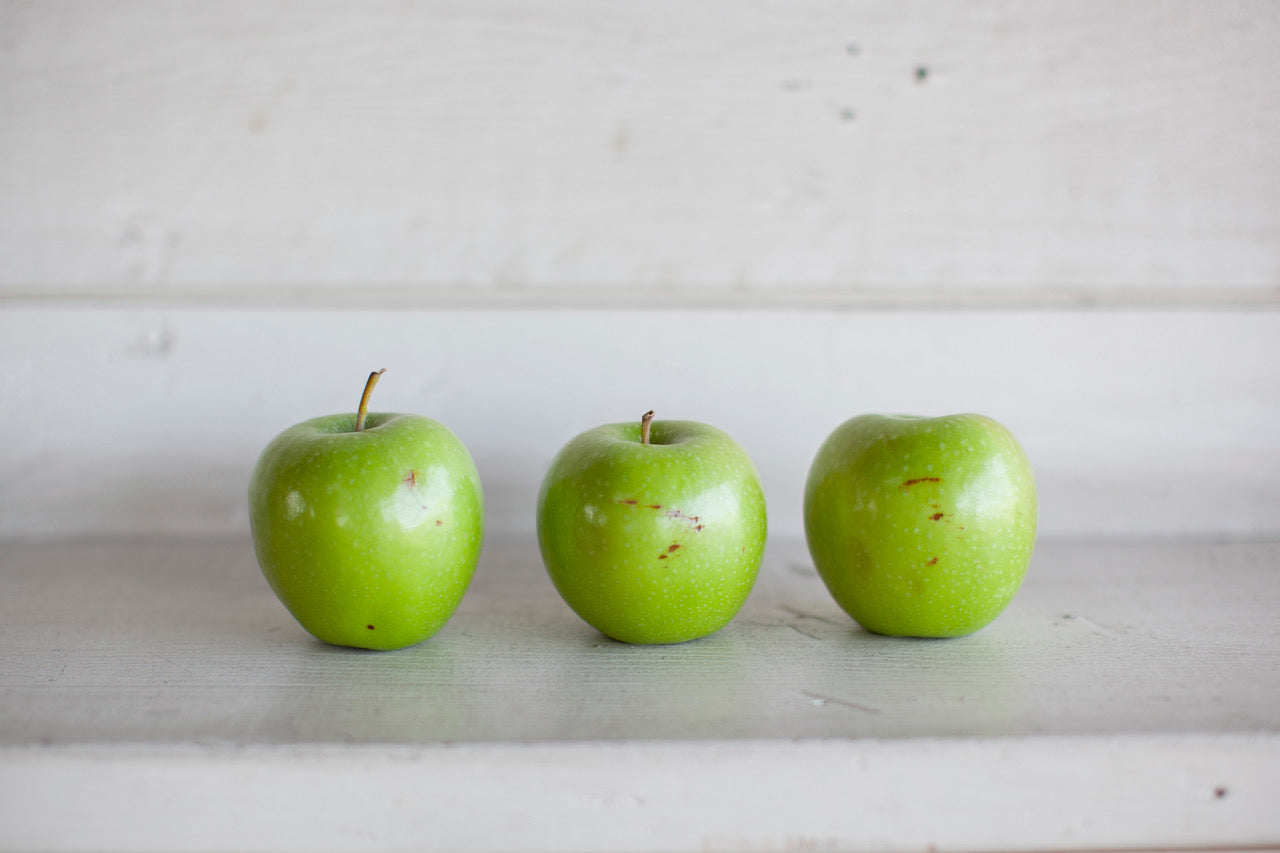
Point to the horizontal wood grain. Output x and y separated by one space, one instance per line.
180 641
149 421
881 149
1059 794
156 696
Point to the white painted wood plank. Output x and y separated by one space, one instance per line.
1092 148
156 697
146 421
182 642
920 796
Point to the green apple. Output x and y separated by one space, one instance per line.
367 527
652 532
921 527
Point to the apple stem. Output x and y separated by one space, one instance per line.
363 411
645 419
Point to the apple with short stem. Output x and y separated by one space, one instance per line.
652 532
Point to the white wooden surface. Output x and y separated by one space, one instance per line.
156 696
874 150
149 421
181 641
1185 793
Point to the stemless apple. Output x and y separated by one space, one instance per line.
921 526
367 527
652 532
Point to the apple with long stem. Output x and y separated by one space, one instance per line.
652 532
368 527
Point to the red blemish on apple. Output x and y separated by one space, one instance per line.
655 506
907 483
673 547
439 522
411 479
932 562
936 516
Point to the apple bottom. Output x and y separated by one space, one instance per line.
927 599
368 603
634 602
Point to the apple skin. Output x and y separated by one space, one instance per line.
921 527
369 538
653 543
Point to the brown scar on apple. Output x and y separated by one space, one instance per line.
672 547
693 520
937 516
909 483
370 627
932 562
439 522
411 479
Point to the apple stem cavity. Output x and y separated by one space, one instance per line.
363 411
645 420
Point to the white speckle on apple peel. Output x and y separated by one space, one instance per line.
294 504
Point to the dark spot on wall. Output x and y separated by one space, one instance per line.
620 142
1220 792
852 49
922 73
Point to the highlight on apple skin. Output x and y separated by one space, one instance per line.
921 527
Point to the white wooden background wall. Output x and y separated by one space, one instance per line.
215 218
